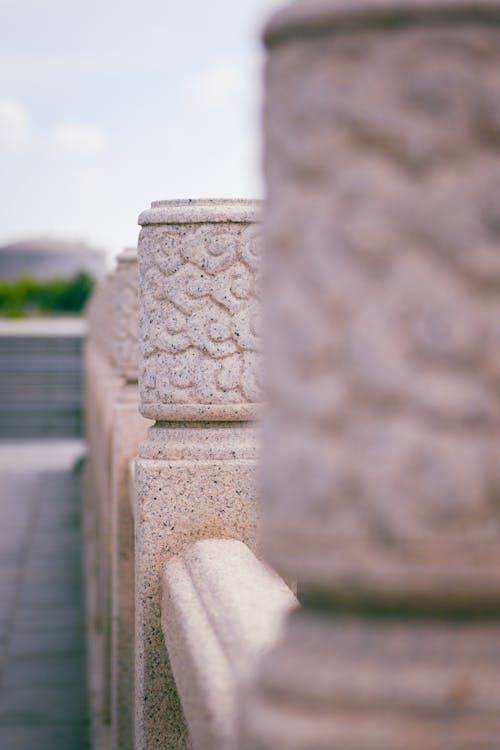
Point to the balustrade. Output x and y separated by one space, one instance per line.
379 461
114 430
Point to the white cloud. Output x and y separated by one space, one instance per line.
79 138
15 130
18 134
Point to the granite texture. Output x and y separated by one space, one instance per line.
100 313
381 475
129 429
382 685
321 17
114 430
208 490
113 316
200 310
102 386
199 378
382 233
125 344
222 610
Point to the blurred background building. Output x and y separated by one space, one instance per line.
45 258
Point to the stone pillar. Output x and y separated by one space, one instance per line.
129 429
102 386
126 312
199 380
114 430
382 479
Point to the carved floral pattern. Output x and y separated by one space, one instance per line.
113 316
201 314
126 333
383 231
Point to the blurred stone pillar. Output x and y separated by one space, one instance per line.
381 450
126 313
129 429
102 387
114 430
199 380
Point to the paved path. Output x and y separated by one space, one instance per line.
42 671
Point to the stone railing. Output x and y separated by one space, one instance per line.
193 333
380 473
114 430
222 609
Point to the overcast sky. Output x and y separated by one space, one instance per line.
106 105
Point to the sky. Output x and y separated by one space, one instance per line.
106 105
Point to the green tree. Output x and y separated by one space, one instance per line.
27 296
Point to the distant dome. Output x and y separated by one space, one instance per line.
45 258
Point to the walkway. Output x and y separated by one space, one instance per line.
42 671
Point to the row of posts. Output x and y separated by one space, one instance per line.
380 480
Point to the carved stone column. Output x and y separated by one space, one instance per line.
199 379
382 478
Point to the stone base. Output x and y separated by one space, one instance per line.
129 429
102 388
352 684
193 482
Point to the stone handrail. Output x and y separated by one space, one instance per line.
222 609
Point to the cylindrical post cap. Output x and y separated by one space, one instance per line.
311 17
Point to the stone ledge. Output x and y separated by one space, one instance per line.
316 17
200 211
222 609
